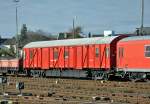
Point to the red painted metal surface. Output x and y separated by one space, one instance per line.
26 58
74 57
39 59
78 57
133 55
9 63
91 56
45 58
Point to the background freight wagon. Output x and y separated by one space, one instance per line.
9 64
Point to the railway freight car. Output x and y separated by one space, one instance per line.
9 65
133 57
86 57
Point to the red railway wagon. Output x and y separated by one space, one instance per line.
8 65
133 57
71 57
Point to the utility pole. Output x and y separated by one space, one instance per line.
142 16
17 37
73 27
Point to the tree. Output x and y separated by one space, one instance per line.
23 35
7 52
61 36
12 50
24 30
76 31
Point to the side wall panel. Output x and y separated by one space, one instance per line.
61 61
51 59
134 55
39 51
97 56
45 58
66 57
91 56
105 57
31 58
71 57
85 56
79 57
35 58
26 58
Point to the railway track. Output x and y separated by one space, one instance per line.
73 91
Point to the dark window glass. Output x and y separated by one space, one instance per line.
147 54
107 52
55 54
121 52
24 55
147 51
147 48
66 54
96 52
31 54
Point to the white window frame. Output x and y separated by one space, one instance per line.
145 51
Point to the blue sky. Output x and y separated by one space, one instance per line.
56 16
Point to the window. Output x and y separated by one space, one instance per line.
121 52
31 54
55 53
107 52
24 55
96 52
147 51
66 54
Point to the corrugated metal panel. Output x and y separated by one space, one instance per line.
71 42
134 38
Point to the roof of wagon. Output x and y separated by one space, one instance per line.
71 42
135 38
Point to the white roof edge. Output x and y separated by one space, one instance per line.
134 38
71 42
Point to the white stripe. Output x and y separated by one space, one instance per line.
133 70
